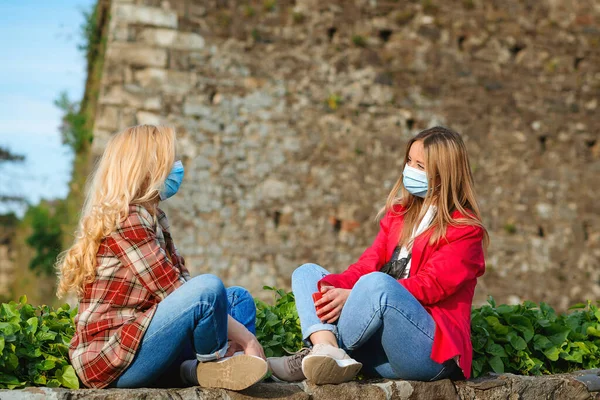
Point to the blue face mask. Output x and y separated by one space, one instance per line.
415 181
173 181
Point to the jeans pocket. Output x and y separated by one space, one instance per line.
450 370
444 373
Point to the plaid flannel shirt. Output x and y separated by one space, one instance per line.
137 266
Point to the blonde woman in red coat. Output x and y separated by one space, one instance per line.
403 310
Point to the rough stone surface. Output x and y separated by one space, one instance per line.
501 387
293 118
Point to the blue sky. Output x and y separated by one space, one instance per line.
38 44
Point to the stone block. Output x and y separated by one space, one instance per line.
197 106
137 55
148 118
172 39
349 391
132 96
107 118
413 390
166 81
100 141
143 15
271 391
153 104
119 32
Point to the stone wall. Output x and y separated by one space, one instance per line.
293 116
583 385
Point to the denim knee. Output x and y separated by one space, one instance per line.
375 282
239 294
208 286
306 270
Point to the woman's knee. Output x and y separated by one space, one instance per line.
375 281
208 286
307 270
239 294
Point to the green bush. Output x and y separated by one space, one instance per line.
532 340
46 237
34 345
73 129
527 339
278 326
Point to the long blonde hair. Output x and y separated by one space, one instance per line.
450 187
132 170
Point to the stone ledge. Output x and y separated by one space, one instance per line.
582 385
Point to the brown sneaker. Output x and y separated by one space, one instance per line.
327 364
288 368
234 373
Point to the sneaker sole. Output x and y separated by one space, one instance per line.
326 370
235 373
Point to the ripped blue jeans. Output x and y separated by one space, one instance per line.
381 325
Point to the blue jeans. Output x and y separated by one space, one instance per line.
191 322
381 325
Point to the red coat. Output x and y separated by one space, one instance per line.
442 277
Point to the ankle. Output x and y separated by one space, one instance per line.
329 342
324 337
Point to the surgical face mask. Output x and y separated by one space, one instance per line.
173 181
415 181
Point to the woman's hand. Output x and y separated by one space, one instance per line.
253 348
333 300
242 339
233 348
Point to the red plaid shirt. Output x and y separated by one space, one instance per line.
137 266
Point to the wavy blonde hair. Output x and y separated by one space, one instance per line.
132 170
450 187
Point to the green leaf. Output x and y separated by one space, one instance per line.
558 333
1 344
516 341
495 350
477 367
529 304
504 309
577 306
544 323
541 342
9 310
522 324
45 336
12 362
496 364
497 326
53 383
9 379
46 365
552 353
69 378
32 324
23 299
593 331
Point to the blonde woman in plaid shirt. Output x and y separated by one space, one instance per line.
142 321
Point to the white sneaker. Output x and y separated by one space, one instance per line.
328 364
234 373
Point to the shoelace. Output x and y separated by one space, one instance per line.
295 361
